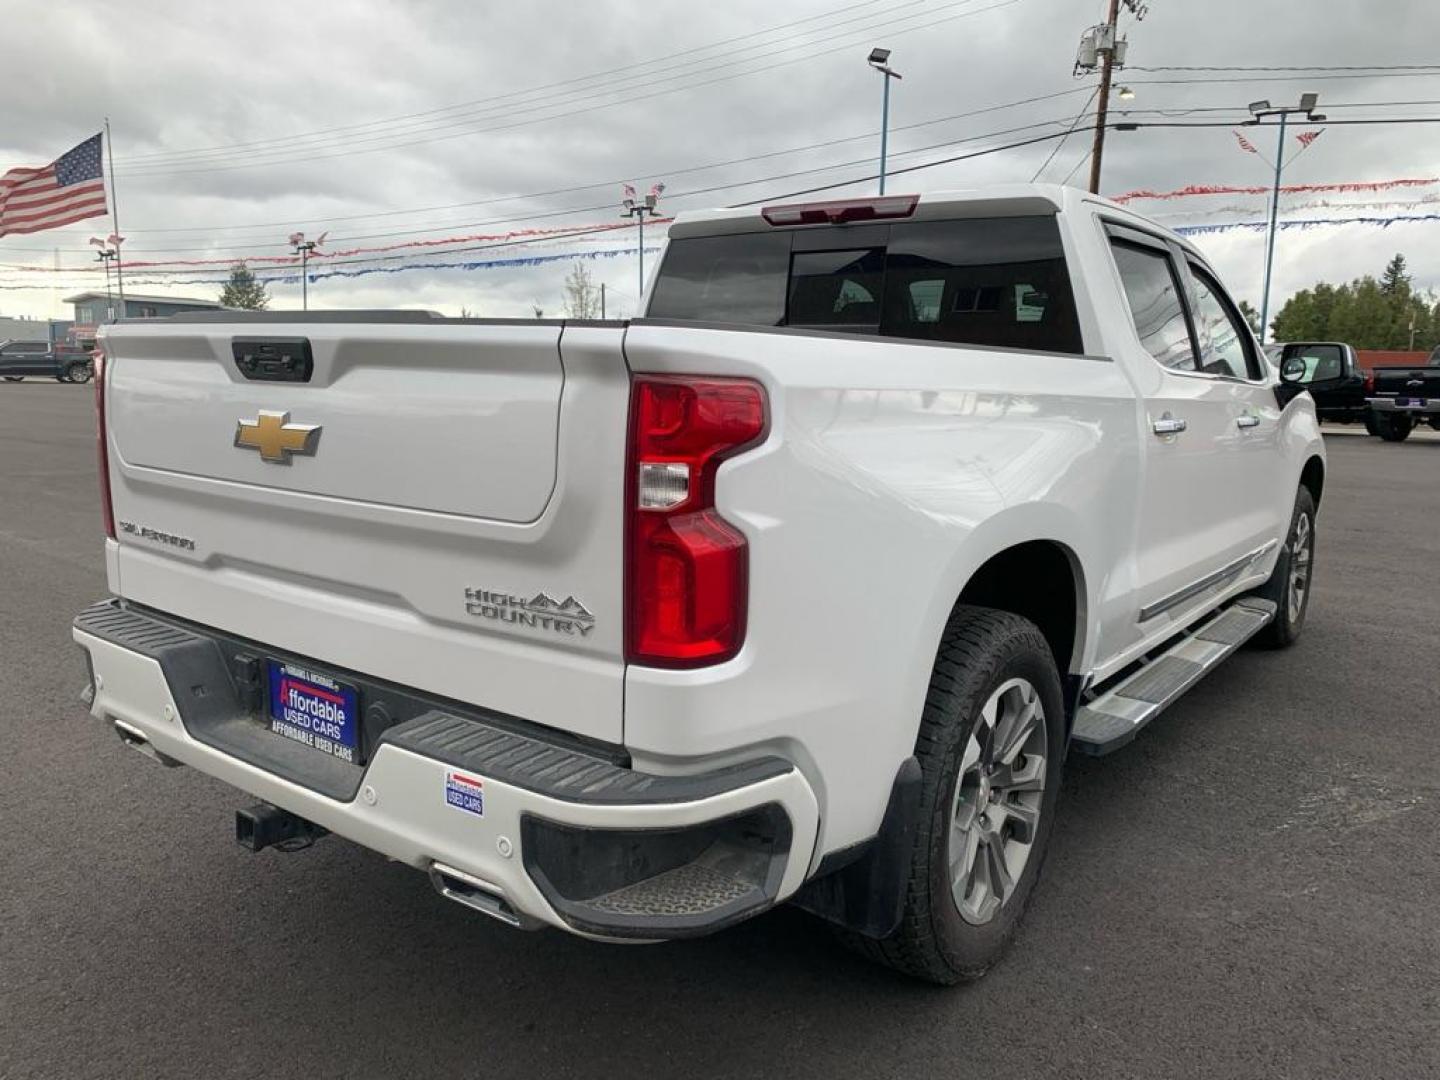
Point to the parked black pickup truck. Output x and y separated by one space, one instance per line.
63 363
1403 397
1334 378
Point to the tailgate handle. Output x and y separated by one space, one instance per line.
273 359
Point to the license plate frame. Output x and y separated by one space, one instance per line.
1411 403
313 709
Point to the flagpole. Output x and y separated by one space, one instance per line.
115 219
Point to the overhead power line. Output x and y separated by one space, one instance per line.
353 147
1288 67
828 16
658 171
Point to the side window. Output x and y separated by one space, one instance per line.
1322 362
1154 292
1226 348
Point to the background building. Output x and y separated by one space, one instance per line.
92 309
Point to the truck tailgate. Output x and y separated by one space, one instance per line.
439 504
1408 384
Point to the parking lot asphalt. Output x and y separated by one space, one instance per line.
1250 889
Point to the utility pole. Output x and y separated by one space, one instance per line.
1259 111
602 301
1101 46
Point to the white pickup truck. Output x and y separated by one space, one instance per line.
798 588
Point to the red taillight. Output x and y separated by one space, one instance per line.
686 579
1369 381
841 211
107 506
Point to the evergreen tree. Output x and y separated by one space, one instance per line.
1395 281
1368 313
244 291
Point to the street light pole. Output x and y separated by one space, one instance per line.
1259 110
879 60
639 209
303 248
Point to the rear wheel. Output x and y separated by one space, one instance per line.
1370 425
991 745
78 372
1289 584
1435 421
1394 427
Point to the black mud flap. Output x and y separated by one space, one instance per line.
865 892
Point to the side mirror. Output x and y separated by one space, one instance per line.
1292 371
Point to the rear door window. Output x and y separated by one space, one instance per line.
999 282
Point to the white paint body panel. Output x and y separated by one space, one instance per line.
891 472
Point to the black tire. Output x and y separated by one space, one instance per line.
1289 619
1394 427
1371 425
982 650
14 378
1435 421
78 372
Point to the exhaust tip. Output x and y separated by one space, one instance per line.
477 895
137 740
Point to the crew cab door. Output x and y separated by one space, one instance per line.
24 358
1210 487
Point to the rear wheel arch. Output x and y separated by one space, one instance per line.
1040 580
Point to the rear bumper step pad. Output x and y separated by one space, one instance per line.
603 849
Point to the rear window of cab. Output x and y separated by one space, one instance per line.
996 282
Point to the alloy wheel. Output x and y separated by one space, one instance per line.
1302 550
998 795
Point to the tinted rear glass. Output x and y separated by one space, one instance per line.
988 281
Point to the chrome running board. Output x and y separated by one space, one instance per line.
1110 720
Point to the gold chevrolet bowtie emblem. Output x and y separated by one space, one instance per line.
276 438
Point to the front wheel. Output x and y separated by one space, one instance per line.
1290 581
14 378
990 748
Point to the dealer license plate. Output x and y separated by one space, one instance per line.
1412 403
315 710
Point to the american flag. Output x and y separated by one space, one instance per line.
1245 144
69 189
1305 138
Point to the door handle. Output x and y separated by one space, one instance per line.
1168 425
1247 421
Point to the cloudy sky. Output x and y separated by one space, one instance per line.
383 123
